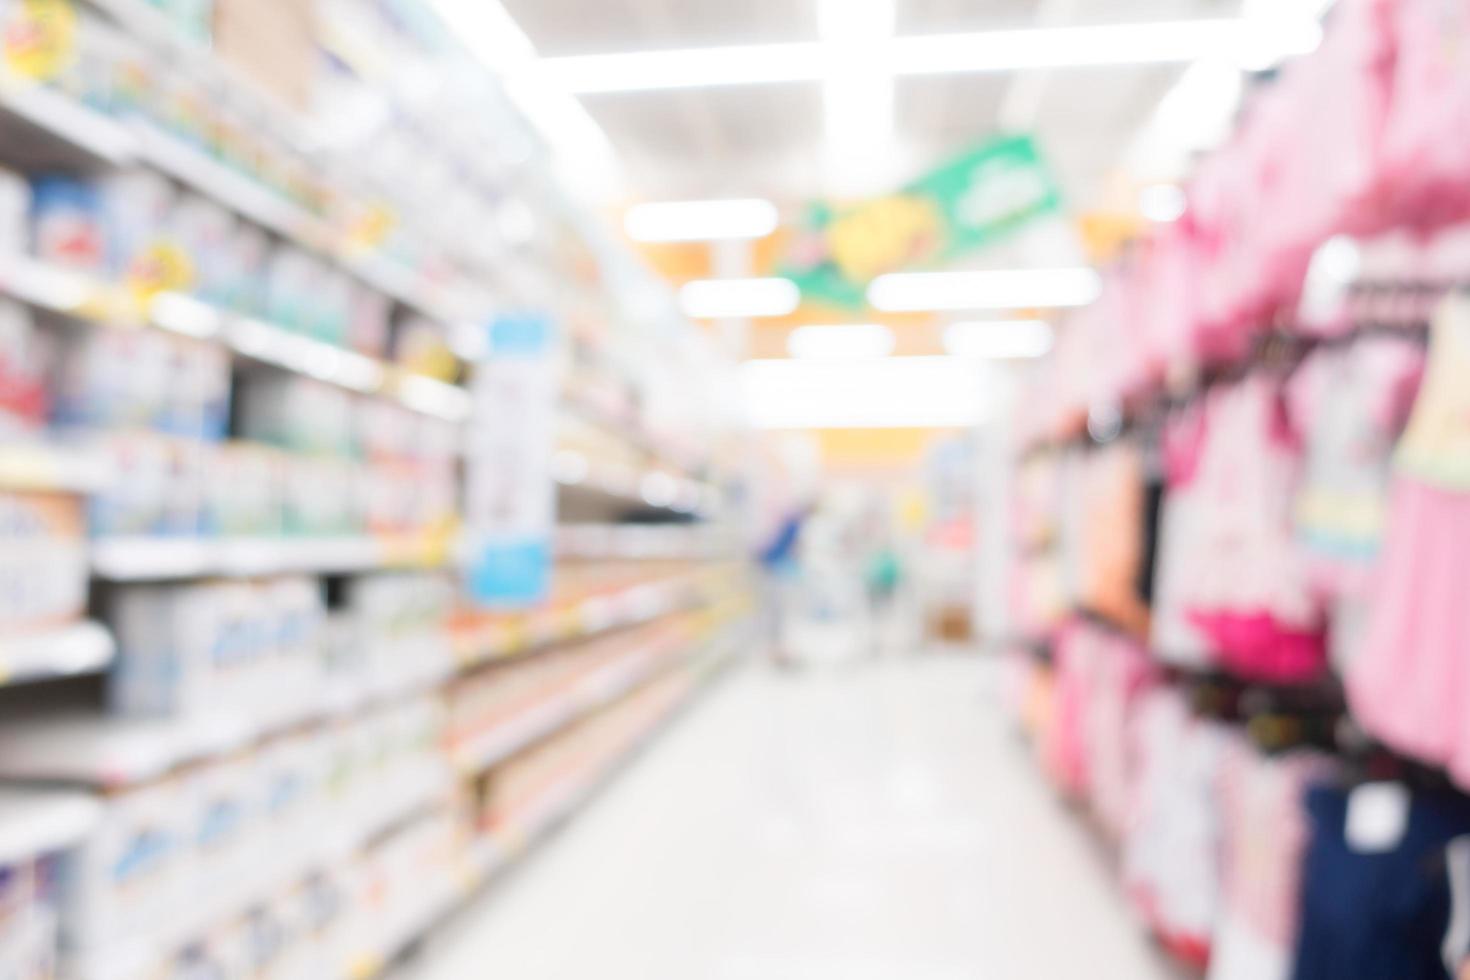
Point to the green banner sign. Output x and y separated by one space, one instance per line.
974 200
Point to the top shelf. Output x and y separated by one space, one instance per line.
41 128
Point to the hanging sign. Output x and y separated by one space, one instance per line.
974 200
510 495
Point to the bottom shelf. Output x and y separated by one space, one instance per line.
482 861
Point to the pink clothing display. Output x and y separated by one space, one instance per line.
1171 850
1411 682
1264 836
1234 589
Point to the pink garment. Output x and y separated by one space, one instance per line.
1121 674
1410 685
1264 834
1063 752
1426 165
1171 850
1232 587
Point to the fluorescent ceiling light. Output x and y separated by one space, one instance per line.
991 51
998 339
897 392
701 221
722 298
849 340
1162 203
984 290
857 93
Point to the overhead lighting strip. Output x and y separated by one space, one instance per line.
1236 39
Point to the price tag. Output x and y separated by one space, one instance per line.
1377 817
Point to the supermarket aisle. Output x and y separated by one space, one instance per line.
880 822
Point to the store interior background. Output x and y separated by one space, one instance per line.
793 489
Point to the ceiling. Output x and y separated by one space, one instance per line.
767 139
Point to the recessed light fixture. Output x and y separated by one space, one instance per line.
996 289
734 298
998 339
840 342
701 221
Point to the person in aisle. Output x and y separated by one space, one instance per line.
779 560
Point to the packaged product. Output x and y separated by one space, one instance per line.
132 874
204 232
28 918
67 224
289 273
368 320
245 491
15 209
322 498
298 414
43 561
90 75
24 362
144 250
228 847
159 489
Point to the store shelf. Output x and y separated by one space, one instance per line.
43 468
146 559
53 289
141 954
495 853
42 822
593 482
533 724
230 188
97 750
265 343
585 618
83 648
46 128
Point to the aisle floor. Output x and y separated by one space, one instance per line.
876 822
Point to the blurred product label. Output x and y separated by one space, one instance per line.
40 37
974 200
510 505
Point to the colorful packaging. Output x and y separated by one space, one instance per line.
67 224
158 487
246 490
297 414
24 362
43 561
28 919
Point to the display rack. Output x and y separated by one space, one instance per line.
362 736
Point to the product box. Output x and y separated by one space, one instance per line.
297 414
28 919
322 498
131 875
159 487
43 561
245 491
67 224
25 356
15 209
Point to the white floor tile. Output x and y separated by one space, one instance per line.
877 821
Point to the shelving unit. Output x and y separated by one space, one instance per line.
83 648
378 715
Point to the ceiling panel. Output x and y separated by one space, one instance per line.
942 16
564 27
